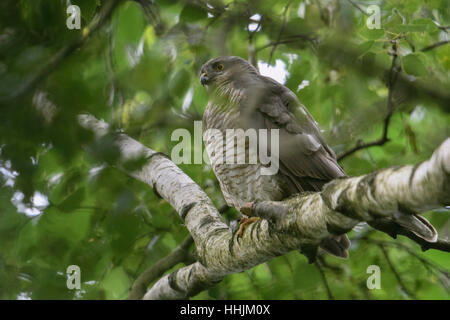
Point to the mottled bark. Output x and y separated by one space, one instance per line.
387 199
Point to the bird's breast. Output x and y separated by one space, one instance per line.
235 163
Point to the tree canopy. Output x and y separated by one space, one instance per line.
379 92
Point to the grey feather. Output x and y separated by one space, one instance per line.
241 98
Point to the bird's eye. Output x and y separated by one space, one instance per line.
219 67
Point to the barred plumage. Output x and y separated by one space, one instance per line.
240 98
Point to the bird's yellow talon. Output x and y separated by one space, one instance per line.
243 224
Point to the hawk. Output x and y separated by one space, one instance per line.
241 98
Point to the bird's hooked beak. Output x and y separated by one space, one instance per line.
204 78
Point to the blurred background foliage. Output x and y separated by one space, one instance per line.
62 202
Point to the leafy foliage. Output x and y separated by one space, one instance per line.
62 202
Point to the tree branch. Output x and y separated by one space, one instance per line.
435 45
251 47
157 270
324 280
178 255
388 197
392 78
287 40
340 51
357 6
442 274
151 12
96 23
280 33
397 274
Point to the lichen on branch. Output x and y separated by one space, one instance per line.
389 200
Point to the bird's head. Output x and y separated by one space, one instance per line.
225 70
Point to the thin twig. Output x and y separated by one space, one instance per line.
251 48
435 45
430 266
392 78
290 39
53 63
180 254
358 7
152 15
114 83
324 263
283 25
325 281
396 274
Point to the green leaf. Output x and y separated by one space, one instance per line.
192 13
417 25
180 82
410 28
72 201
365 46
372 34
116 283
73 227
414 64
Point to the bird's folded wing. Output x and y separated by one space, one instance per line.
303 154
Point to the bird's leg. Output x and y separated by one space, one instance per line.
243 223
246 210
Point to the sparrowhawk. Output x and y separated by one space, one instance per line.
241 98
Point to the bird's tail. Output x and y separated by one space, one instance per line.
336 245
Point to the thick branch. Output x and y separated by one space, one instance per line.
390 195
